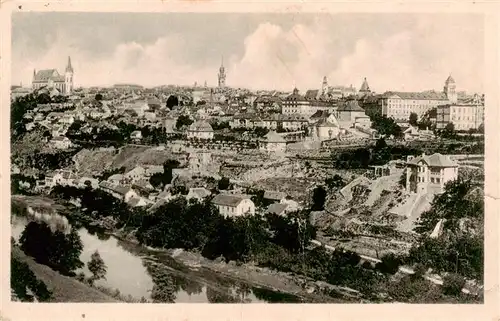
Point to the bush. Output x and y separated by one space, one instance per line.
453 284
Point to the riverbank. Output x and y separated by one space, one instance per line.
63 288
193 265
305 289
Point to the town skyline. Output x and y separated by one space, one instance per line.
395 52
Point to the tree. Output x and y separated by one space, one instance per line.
319 198
413 120
224 183
56 249
97 267
389 264
335 182
183 121
172 101
98 97
449 130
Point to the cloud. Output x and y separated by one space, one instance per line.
417 56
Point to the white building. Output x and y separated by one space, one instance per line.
233 205
429 174
200 129
463 116
399 105
326 128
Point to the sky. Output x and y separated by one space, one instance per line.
394 51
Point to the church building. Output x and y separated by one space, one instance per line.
51 78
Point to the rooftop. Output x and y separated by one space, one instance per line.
228 200
434 160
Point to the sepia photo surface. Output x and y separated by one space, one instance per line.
248 157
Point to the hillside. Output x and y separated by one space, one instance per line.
63 288
88 161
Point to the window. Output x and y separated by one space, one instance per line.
432 179
438 180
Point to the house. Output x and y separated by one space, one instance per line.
277 208
125 193
200 129
429 174
198 193
61 142
274 196
350 112
233 205
326 128
60 177
273 142
134 175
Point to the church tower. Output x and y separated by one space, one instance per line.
365 88
324 86
450 90
222 75
68 78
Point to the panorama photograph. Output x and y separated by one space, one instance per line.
247 157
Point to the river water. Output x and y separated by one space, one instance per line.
127 272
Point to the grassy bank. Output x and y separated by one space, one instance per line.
63 288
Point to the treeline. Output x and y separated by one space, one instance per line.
379 154
50 161
106 136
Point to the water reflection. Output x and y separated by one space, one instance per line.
138 272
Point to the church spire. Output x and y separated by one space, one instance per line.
69 68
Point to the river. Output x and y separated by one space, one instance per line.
127 272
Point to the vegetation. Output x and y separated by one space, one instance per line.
379 154
55 249
413 120
183 121
23 282
386 126
159 180
224 183
318 198
97 267
459 247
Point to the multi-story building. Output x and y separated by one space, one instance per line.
200 129
464 115
305 105
292 122
399 105
51 78
429 174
